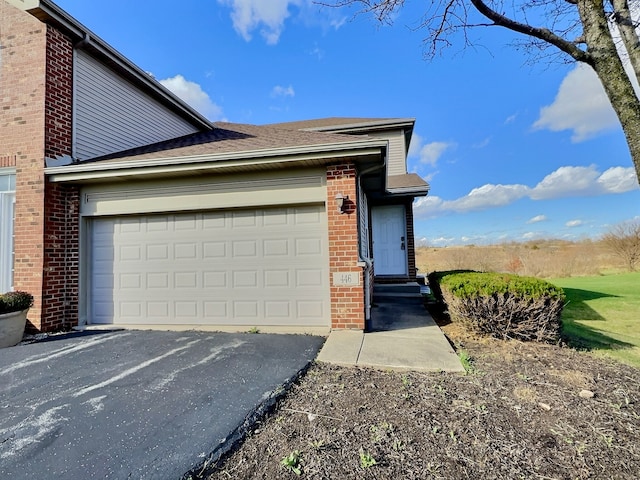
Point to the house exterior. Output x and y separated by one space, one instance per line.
121 205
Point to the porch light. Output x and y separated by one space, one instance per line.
341 201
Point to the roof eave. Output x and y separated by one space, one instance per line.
211 163
408 192
382 124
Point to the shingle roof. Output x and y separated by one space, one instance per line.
230 138
336 122
406 181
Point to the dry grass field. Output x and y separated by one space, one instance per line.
543 258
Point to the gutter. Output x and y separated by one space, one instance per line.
256 158
408 191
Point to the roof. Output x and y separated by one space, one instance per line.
408 184
346 124
230 138
229 147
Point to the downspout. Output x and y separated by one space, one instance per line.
67 300
366 262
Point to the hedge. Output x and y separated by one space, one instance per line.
502 305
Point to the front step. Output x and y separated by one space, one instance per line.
384 288
387 291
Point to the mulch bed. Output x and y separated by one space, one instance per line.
524 411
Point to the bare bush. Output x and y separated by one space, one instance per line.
507 316
624 241
502 306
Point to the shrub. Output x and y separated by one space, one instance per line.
15 302
434 279
503 305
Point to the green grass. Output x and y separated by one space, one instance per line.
603 315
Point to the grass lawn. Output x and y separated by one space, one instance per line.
603 315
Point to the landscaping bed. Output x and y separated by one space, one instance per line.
525 410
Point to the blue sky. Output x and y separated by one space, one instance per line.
512 151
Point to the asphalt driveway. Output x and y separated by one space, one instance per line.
132 404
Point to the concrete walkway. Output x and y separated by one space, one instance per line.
403 336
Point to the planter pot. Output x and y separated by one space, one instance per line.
12 328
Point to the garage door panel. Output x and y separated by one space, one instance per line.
244 267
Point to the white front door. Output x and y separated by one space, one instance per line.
389 240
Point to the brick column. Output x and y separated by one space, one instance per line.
347 302
61 217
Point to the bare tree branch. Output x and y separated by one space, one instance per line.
543 34
580 30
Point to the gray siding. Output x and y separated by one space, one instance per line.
111 115
397 153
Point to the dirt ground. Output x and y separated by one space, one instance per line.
524 411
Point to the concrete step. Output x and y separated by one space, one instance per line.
396 288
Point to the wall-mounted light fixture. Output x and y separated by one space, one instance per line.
342 202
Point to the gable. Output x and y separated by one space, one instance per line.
112 115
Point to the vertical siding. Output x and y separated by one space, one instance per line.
397 161
111 115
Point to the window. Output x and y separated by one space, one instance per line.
7 213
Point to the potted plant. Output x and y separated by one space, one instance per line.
13 317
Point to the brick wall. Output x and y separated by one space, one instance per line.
35 122
347 302
22 97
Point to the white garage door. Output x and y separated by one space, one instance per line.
235 267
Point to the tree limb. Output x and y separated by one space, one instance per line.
543 34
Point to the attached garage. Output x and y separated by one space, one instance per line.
200 254
242 267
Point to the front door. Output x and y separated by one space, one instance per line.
389 240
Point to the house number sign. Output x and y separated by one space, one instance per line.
346 279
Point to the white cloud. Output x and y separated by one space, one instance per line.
531 235
430 153
511 119
336 23
537 219
487 196
443 241
280 91
581 105
566 182
193 94
618 180
573 223
428 205
563 182
267 15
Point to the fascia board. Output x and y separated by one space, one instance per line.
261 158
414 192
355 127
